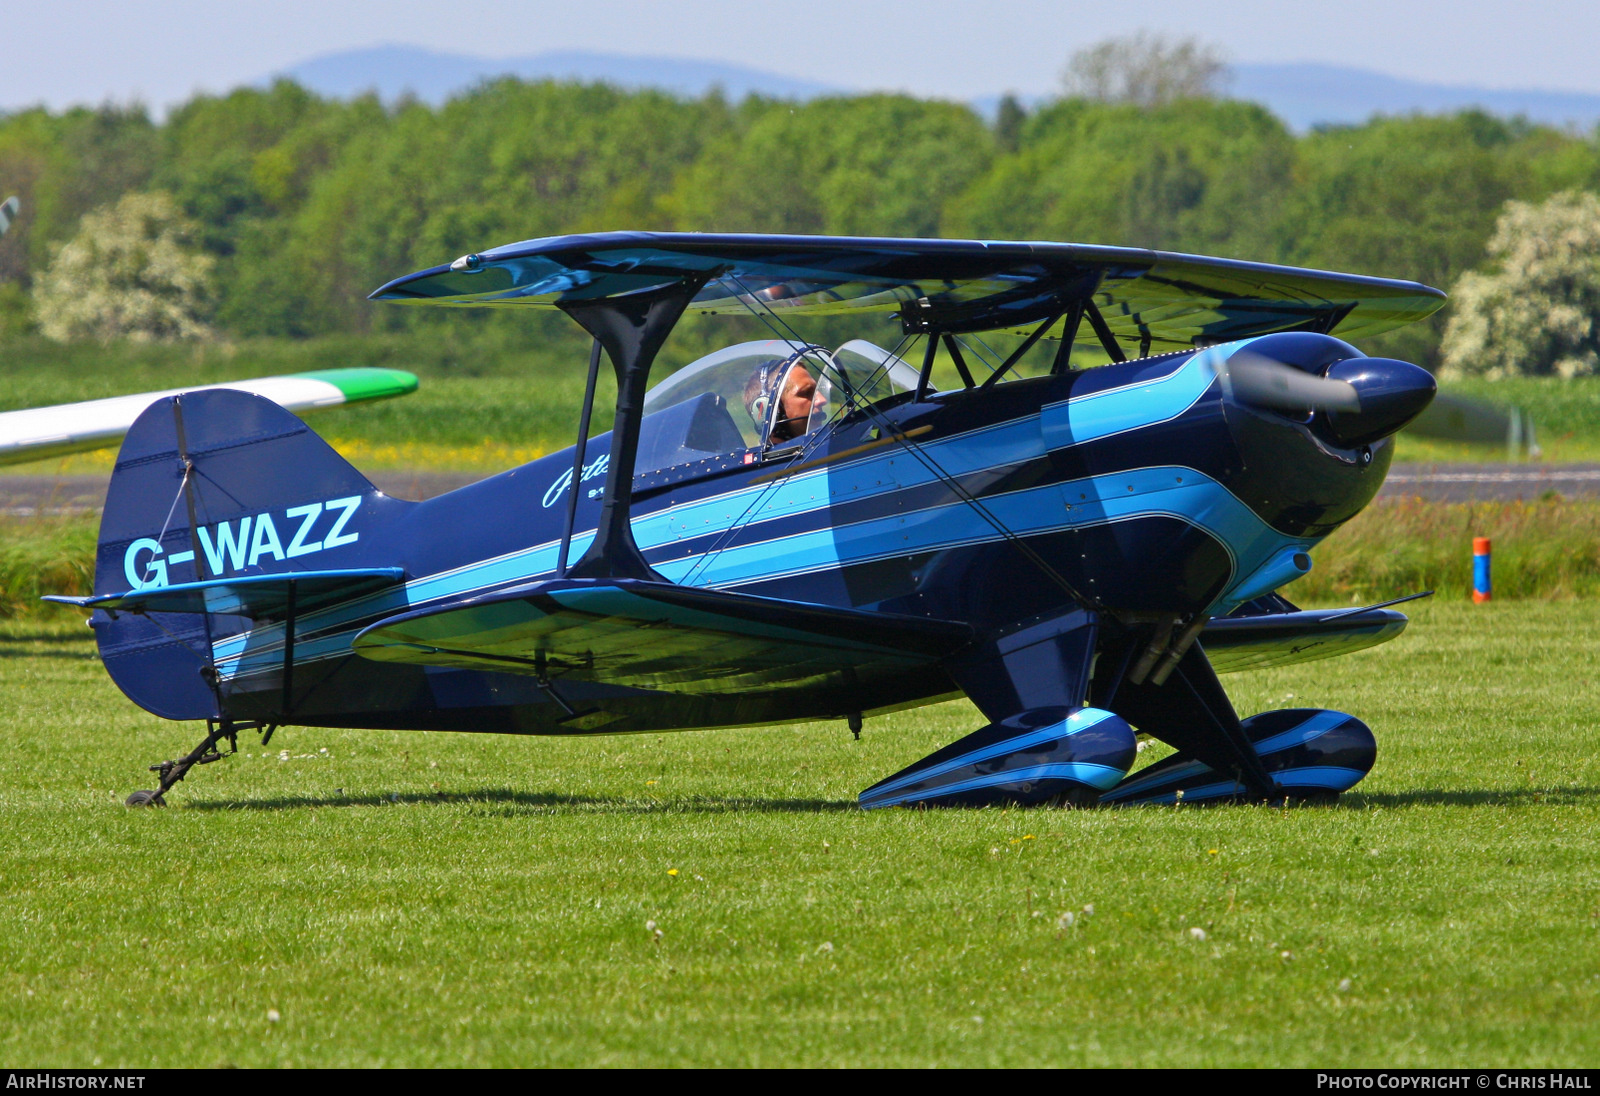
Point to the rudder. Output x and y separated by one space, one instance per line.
211 484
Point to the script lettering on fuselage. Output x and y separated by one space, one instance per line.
230 546
564 480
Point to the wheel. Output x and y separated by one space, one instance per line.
1076 799
144 799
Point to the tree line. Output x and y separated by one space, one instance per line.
294 207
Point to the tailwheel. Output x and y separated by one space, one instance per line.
217 730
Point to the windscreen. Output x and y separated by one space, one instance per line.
733 374
764 393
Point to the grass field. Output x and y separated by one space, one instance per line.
714 898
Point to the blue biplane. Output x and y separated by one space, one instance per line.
785 532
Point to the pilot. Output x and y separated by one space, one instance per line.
796 391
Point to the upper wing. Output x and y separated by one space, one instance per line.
42 432
1282 639
658 636
1165 300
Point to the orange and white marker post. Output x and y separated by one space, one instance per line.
1481 586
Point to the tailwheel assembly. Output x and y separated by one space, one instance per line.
217 730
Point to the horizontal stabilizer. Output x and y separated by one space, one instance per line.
1281 639
260 597
655 635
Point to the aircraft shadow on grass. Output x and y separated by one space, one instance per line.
516 802
1484 797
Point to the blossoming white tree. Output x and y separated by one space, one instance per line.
1537 310
129 273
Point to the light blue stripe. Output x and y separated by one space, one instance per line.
1131 407
1314 727
1330 777
1082 772
1144 783
995 749
1334 777
1205 791
1004 444
1198 500
1170 491
1013 442
885 472
503 570
1163 491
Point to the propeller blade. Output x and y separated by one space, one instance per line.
1256 379
1458 419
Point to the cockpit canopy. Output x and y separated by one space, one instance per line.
732 399
858 369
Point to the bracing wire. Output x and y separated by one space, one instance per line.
928 462
805 349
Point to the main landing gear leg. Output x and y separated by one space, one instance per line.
203 754
1191 713
1042 746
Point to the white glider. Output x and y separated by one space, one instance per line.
39 433
42 432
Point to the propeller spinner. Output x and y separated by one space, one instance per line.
1357 400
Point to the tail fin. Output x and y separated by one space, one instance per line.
214 484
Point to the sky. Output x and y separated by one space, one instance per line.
66 52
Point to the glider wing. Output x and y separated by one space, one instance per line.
42 432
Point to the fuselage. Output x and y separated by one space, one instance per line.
1141 484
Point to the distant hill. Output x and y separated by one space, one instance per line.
1302 94
433 77
1306 94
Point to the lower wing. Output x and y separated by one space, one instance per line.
1282 639
663 637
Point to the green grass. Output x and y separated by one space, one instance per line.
436 899
1548 548
1565 412
45 555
